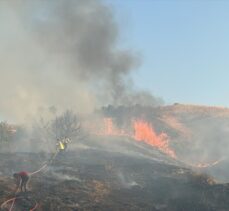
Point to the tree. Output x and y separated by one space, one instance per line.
6 132
65 125
8 135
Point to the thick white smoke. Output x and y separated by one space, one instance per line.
62 53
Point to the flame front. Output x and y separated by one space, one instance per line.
141 131
109 126
145 132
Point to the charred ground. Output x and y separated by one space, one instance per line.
100 176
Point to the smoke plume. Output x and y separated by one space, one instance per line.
63 53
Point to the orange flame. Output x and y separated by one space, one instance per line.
109 126
143 131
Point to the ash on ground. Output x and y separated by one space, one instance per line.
95 178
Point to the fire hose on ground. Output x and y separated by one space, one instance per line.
13 200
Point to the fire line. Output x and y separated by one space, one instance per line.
142 131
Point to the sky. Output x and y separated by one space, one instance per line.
183 47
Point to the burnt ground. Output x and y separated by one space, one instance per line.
94 178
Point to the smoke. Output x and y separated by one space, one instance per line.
61 176
63 53
126 181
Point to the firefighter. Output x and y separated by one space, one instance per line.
65 142
59 145
21 179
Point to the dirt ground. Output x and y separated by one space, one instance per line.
96 179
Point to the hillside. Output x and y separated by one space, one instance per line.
198 134
115 169
117 175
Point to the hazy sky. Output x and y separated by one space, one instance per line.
184 47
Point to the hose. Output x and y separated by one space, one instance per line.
35 172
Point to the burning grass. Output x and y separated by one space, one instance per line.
141 131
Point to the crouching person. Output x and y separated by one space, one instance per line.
21 179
